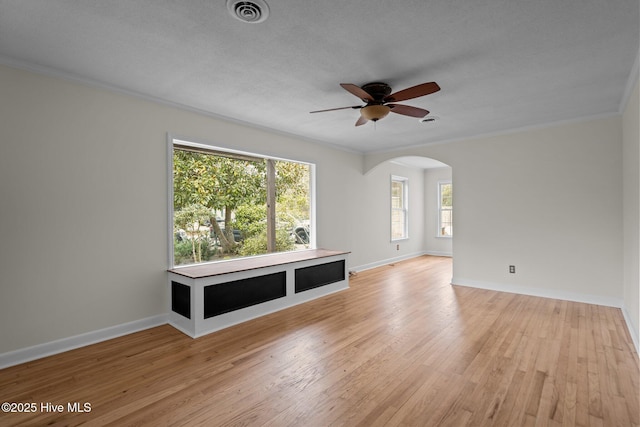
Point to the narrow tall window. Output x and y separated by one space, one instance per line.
445 209
399 208
227 205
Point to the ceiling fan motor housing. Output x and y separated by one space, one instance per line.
377 90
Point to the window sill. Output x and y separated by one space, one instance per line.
404 239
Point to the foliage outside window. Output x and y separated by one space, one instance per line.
399 208
445 209
228 205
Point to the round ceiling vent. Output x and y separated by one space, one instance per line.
252 12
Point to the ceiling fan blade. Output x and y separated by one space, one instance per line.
357 91
407 110
339 108
361 121
413 92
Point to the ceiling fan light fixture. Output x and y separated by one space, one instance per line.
374 112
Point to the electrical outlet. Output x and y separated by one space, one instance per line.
512 269
397 247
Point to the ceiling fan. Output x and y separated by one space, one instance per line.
380 101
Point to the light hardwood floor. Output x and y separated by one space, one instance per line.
401 347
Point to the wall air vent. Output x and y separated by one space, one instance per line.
428 119
252 12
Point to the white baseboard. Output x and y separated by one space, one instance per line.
538 292
632 331
555 294
27 354
439 253
59 346
387 261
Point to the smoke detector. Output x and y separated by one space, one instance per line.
252 12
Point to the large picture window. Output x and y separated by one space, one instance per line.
399 208
227 204
445 209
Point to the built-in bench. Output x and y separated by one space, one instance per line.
209 297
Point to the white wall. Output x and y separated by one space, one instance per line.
435 245
631 212
373 240
548 201
83 214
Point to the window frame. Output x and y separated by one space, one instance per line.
404 181
441 183
177 142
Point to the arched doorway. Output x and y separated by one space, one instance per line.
428 234
438 203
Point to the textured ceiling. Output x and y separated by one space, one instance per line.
501 64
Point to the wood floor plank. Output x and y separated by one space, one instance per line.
401 347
